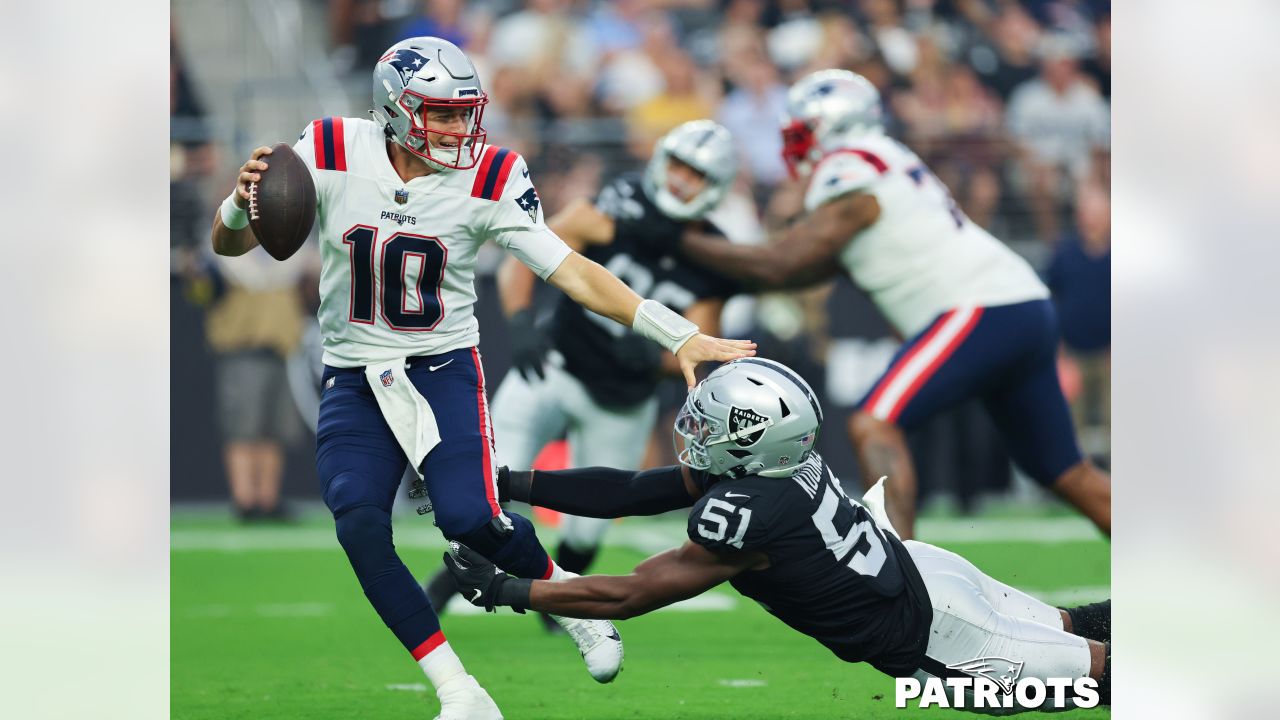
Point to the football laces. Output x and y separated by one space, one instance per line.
253 201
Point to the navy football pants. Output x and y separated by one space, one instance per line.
1004 354
360 465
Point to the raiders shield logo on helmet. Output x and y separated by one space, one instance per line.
741 419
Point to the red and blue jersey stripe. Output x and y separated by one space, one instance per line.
330 145
491 176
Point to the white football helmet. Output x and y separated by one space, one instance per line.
824 108
419 74
750 416
704 146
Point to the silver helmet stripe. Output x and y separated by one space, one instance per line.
786 372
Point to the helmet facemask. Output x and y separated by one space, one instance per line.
798 145
696 431
433 145
693 430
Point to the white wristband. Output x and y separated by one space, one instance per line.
234 217
663 325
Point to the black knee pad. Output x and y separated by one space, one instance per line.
348 490
364 532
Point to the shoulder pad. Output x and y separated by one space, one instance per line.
841 172
493 170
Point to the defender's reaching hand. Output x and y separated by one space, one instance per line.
483 584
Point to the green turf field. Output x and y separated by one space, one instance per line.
269 622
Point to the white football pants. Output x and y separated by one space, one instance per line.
526 416
975 617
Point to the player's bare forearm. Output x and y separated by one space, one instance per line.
596 289
231 242
593 597
578 225
805 253
661 580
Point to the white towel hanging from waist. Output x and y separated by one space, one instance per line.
405 410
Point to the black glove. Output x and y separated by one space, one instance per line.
482 584
529 345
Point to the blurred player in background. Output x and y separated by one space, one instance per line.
976 318
404 203
770 517
586 375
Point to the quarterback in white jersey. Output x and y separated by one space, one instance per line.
976 318
404 202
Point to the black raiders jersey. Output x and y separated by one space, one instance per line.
833 574
617 366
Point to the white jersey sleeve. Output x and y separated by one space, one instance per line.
839 174
516 223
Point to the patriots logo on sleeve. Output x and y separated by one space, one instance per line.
406 62
529 202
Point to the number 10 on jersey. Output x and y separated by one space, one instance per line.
395 258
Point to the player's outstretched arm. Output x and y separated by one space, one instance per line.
579 224
806 253
601 492
231 232
596 289
661 580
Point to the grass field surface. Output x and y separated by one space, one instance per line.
270 623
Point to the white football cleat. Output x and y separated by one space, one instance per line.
462 698
599 643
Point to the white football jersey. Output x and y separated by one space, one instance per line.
922 256
398 259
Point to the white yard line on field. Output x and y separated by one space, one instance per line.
409 687
741 683
644 536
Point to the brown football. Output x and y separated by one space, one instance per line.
282 205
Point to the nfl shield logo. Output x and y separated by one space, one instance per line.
386 378
402 196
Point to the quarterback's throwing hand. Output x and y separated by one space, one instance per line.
704 348
249 173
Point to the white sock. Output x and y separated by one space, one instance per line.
559 573
441 664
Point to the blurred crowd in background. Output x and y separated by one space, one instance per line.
1008 101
